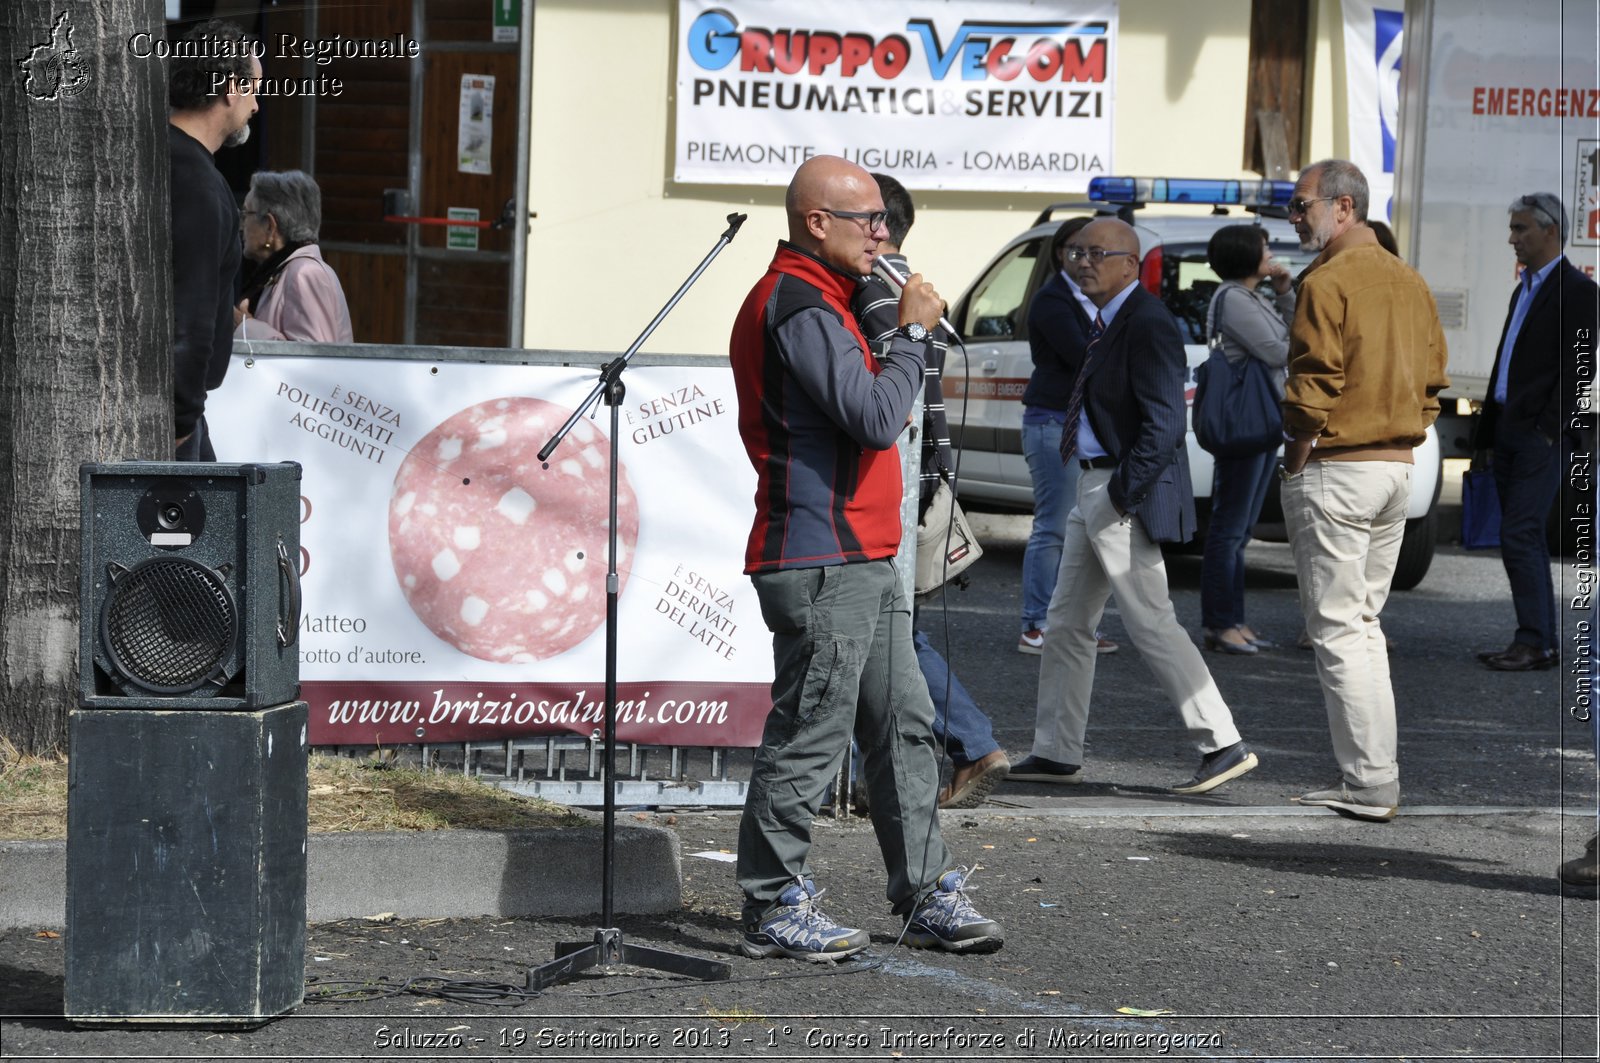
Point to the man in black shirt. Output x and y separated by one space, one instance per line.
959 725
212 96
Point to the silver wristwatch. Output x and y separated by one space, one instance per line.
914 331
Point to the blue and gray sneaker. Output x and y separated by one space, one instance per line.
946 920
795 927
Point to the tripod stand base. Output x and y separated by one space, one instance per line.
608 949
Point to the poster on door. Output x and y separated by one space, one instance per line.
475 130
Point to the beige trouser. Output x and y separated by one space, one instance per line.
1346 520
1104 554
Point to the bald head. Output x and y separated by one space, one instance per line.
1112 234
1118 248
823 187
817 180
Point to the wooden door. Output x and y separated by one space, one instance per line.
394 124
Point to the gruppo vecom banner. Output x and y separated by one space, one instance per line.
1002 96
455 586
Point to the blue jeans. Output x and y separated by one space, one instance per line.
1238 490
1055 486
1527 475
958 724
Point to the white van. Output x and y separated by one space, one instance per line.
983 391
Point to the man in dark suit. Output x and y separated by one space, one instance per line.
1546 352
1125 429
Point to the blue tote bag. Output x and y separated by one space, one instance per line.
1480 510
1236 412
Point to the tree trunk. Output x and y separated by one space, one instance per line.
85 317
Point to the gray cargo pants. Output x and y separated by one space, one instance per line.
843 664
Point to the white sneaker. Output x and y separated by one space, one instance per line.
1031 642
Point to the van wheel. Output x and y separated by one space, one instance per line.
1416 550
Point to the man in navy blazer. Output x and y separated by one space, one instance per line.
1125 428
1535 396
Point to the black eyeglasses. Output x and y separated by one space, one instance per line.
1095 255
873 218
1300 206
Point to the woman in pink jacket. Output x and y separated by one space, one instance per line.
291 294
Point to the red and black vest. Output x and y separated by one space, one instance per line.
821 497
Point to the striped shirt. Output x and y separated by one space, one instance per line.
877 308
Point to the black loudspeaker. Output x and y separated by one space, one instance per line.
190 587
186 866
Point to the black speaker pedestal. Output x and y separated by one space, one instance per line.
186 866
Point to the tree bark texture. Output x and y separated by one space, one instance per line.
85 316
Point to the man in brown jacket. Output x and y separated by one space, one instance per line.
1366 365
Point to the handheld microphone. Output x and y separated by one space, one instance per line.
881 266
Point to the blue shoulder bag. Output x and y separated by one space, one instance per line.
1236 412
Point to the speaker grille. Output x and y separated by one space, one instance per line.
169 624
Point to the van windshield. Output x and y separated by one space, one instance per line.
1188 283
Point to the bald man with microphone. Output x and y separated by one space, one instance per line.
819 413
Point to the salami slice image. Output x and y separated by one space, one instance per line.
503 558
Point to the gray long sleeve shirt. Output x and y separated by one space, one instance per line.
1253 324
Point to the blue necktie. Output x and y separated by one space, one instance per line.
1069 434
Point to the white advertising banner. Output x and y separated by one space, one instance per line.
455 585
1373 39
1000 96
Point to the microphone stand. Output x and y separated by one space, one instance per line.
608 946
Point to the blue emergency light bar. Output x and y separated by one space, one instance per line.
1189 190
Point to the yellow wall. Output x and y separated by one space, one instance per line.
1328 113
614 236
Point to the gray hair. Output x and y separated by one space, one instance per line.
293 198
1340 177
1546 209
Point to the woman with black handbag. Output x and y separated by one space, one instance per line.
1247 319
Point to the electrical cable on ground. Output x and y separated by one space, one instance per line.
486 994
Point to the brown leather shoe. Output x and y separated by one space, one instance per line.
1583 873
972 783
1521 657
1484 655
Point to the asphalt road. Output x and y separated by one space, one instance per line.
1468 736
1231 925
